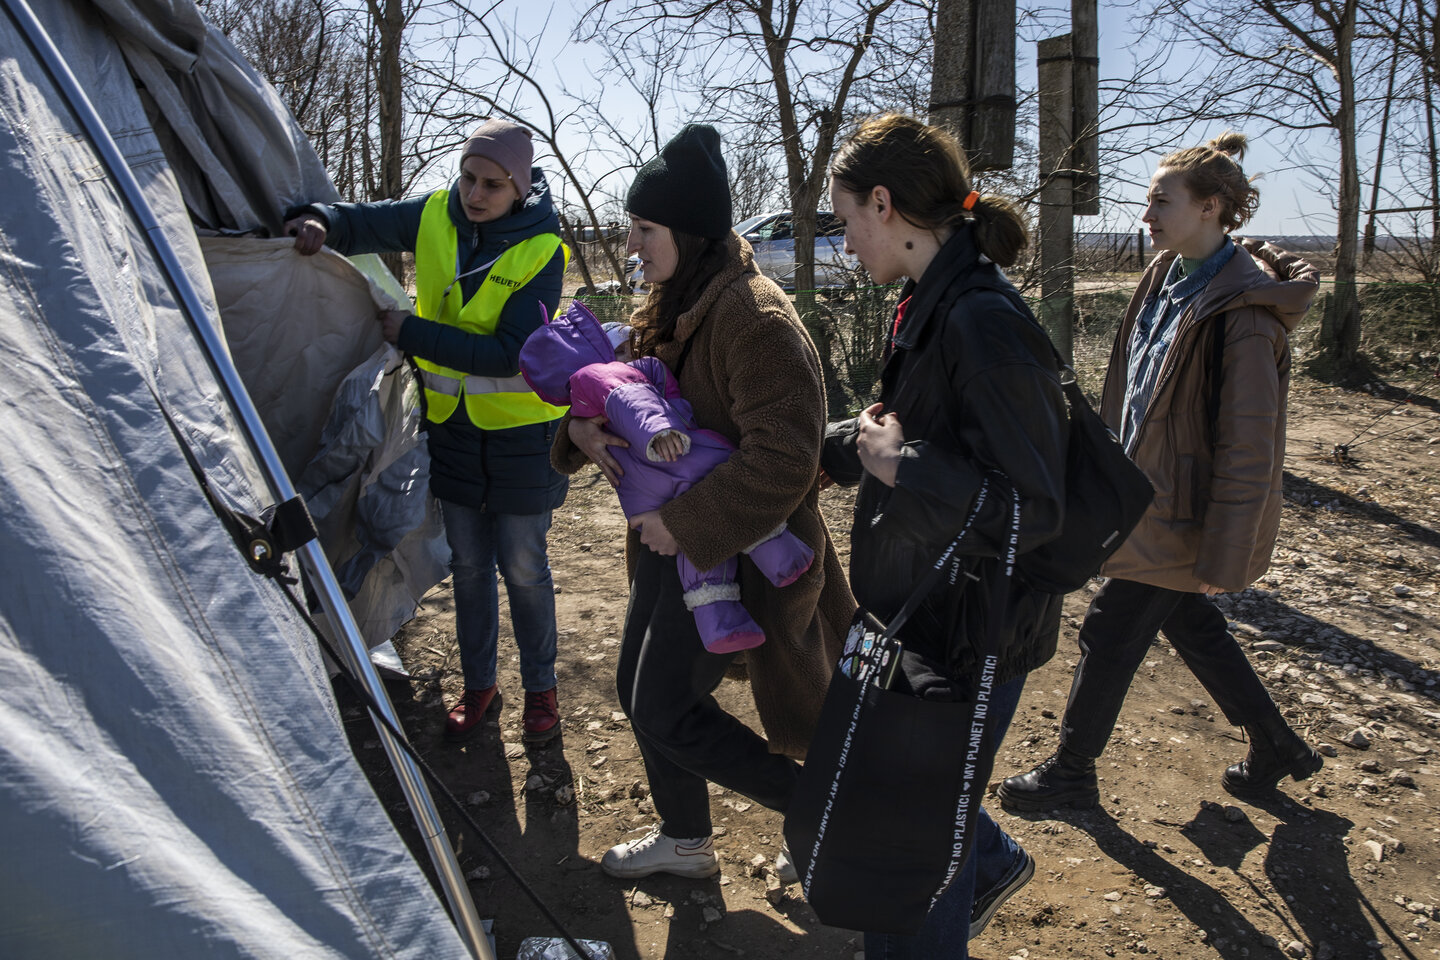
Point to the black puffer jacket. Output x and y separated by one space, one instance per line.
974 382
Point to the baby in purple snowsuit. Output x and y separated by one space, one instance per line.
573 360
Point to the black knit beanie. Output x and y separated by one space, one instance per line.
686 188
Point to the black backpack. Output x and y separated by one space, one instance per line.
1105 497
1106 494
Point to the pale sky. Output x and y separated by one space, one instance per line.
1293 201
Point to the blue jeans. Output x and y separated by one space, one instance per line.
480 542
946 930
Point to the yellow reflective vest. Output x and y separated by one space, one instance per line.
491 403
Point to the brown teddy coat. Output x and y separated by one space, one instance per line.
1217 487
752 374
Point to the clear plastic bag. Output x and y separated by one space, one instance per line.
555 948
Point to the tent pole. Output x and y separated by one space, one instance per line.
312 557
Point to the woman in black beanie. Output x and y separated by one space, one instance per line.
743 360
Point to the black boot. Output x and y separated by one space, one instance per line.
1275 752
1064 779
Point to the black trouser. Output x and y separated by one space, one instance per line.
665 680
1114 639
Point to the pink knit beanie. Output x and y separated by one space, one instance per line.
507 144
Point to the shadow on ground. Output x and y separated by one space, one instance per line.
1305 860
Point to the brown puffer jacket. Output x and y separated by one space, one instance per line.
1217 488
752 374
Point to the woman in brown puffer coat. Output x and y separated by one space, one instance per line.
1196 392
744 362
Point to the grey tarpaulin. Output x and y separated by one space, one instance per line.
341 407
217 149
174 780
231 155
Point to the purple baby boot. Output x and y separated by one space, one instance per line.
782 557
724 625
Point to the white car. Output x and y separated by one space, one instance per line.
772 238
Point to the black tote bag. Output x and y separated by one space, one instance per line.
883 815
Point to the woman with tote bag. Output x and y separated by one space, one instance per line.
969 434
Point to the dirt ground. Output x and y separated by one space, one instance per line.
1345 865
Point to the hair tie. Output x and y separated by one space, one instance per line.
969 202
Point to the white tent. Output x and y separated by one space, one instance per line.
174 778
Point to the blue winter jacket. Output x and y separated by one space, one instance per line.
502 471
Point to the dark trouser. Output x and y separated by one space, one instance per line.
665 680
1114 640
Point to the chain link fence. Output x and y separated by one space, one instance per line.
850 326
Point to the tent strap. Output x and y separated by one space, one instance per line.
264 545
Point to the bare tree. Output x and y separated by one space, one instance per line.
1292 65
338 66
1411 31
619 139
455 99
1405 191
756 185
388 19
811 57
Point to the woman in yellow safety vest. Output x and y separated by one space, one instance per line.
488 270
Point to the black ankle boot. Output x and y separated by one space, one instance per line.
1276 751
1064 779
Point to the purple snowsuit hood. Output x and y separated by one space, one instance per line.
571 360
554 352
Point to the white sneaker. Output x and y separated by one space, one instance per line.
657 853
785 867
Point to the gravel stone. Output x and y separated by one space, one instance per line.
1356 738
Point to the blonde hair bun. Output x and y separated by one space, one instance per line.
1231 143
